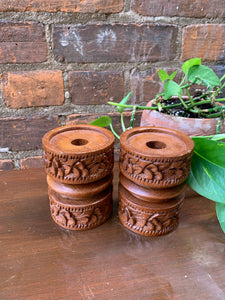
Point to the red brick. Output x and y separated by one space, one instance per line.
25 133
180 8
205 41
88 6
32 162
88 118
22 42
114 43
96 87
33 88
6 164
147 84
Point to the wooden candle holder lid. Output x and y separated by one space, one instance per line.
155 157
78 154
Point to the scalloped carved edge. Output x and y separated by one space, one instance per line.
155 171
147 222
81 218
74 169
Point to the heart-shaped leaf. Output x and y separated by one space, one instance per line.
204 75
163 75
207 173
211 150
171 88
103 121
189 63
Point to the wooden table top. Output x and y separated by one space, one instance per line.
39 260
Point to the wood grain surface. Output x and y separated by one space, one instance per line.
39 260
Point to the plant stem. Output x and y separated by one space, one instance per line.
143 107
187 85
218 125
213 109
183 80
183 103
220 99
113 131
206 102
222 78
122 122
131 106
215 115
132 116
190 98
200 103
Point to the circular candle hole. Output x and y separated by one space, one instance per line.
156 145
79 142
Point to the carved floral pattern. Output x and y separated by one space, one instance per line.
147 222
80 218
81 169
154 171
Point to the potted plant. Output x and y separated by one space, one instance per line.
207 171
193 105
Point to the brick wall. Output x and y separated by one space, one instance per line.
62 60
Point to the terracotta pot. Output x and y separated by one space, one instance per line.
154 165
189 126
79 162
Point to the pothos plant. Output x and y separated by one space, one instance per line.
207 174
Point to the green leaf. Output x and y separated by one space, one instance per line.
207 175
205 182
189 63
204 75
163 75
123 101
171 88
173 75
215 137
220 210
103 121
218 137
210 150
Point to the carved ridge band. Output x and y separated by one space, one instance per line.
79 169
154 159
147 221
81 218
155 172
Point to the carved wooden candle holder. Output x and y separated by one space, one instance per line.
79 162
154 166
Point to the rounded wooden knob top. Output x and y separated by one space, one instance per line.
156 142
78 139
155 156
78 154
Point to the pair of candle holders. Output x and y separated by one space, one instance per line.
154 165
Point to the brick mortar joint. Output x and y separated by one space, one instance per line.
17 156
130 16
